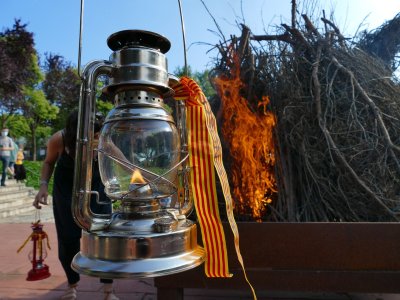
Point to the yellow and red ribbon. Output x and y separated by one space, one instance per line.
38 235
205 154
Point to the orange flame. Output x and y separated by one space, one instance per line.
137 177
249 136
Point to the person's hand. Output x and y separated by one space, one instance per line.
41 197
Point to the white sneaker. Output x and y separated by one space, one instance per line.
110 296
70 293
109 292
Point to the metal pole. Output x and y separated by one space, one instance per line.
185 70
80 38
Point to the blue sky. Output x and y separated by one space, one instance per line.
55 23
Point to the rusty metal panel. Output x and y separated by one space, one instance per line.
320 246
315 257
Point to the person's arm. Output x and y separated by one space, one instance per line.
54 148
10 147
12 144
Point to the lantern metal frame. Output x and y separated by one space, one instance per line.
131 244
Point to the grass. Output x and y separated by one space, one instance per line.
33 169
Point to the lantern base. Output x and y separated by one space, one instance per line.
112 254
38 274
144 268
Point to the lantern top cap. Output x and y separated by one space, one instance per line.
138 38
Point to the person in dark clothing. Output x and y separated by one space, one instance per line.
60 154
20 172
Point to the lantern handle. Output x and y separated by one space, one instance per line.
83 216
185 68
37 215
80 38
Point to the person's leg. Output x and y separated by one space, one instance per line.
17 172
66 252
108 289
68 236
105 280
11 169
4 160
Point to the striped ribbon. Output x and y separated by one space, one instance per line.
40 236
205 154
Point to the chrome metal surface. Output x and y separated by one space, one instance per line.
140 206
136 96
132 223
185 64
82 213
165 224
150 236
80 37
139 112
141 268
130 254
139 66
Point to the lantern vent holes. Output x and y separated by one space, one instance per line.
137 97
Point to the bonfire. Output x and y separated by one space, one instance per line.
310 122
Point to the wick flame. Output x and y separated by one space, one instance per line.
249 136
137 177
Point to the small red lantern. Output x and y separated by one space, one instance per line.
39 270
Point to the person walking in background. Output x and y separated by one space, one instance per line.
13 157
6 146
19 168
61 154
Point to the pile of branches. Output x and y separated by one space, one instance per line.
337 138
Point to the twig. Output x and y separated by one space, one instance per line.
375 109
279 37
337 31
310 26
293 13
357 179
244 41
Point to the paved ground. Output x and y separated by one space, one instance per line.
14 268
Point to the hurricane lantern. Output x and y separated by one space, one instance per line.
38 253
142 157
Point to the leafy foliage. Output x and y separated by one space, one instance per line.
33 175
18 67
18 126
38 112
202 79
61 86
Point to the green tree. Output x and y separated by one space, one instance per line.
18 126
18 68
61 87
202 79
103 107
103 103
38 113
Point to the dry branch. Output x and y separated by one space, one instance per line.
338 121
